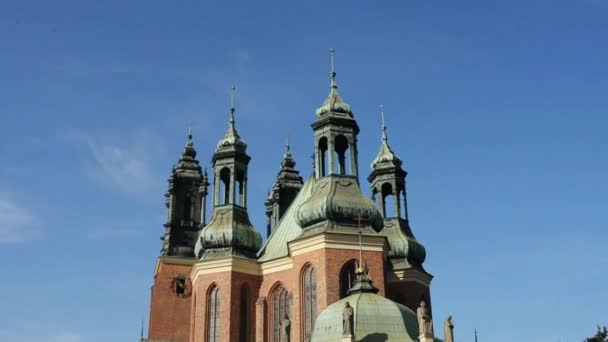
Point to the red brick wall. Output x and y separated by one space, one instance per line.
229 284
327 263
169 314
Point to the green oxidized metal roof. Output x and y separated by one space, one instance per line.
376 318
287 229
338 199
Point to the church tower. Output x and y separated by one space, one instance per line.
408 283
226 277
284 190
171 293
229 231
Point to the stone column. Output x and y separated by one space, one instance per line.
331 152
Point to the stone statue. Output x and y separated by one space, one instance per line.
285 329
347 320
425 323
448 329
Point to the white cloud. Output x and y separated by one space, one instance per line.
17 224
123 166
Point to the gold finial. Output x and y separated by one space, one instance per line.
360 268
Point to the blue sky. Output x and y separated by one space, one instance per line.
498 109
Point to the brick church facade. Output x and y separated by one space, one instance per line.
216 280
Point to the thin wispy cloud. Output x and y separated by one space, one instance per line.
17 223
123 166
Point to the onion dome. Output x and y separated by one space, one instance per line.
229 233
338 199
404 248
374 318
334 104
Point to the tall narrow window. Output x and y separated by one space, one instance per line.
280 307
213 314
224 186
347 277
322 157
309 295
341 146
245 332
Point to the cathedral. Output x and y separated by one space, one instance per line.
337 265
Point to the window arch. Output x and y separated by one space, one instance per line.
322 155
309 300
347 277
281 306
224 185
245 314
213 314
340 147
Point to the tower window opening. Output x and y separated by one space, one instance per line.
347 277
180 286
240 183
341 147
224 186
322 157
389 201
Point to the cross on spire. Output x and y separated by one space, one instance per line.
360 219
334 85
383 123
232 106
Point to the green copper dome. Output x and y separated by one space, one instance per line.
338 199
375 318
229 233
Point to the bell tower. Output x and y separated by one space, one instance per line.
284 190
229 232
408 282
335 131
183 202
170 302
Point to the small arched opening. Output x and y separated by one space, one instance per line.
224 186
341 148
347 277
322 155
388 201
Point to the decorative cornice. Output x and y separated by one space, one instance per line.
325 240
409 275
228 264
171 260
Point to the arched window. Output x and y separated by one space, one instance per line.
280 303
309 297
213 314
322 157
347 277
224 186
340 147
245 331
390 208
